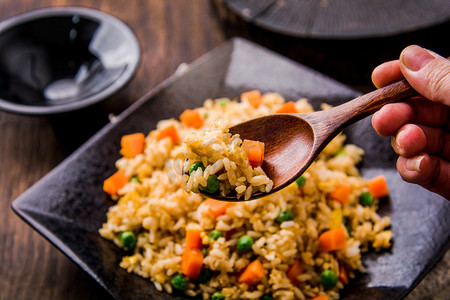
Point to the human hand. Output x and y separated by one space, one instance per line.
420 126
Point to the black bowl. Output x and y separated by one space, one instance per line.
59 59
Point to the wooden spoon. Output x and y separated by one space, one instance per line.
293 141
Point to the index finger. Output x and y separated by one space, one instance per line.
386 73
388 120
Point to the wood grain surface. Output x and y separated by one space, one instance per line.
170 32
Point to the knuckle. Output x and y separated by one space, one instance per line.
439 83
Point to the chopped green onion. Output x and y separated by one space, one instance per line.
341 152
135 179
349 230
223 102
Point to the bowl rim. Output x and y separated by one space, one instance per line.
91 13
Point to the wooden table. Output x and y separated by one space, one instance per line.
170 32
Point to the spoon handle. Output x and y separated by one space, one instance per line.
367 104
354 110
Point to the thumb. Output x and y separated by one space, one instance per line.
427 72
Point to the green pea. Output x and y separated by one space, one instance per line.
179 282
195 166
204 252
135 179
266 297
285 215
366 199
301 181
217 296
215 235
245 243
127 240
205 276
329 279
212 184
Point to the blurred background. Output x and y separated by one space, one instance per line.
171 32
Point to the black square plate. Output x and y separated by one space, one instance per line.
68 205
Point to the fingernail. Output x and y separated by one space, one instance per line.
413 163
415 57
395 144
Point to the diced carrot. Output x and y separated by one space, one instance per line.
192 262
255 152
333 239
191 118
341 193
287 108
252 273
294 270
193 239
378 186
343 277
169 131
115 182
132 144
252 97
217 207
320 297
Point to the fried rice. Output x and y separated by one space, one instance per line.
221 155
158 210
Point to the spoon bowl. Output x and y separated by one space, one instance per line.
284 149
293 141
